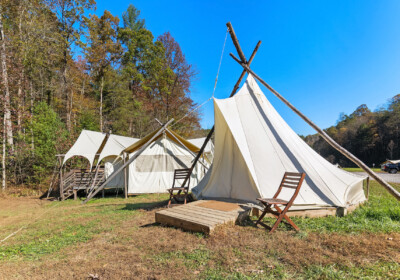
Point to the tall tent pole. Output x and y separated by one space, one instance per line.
125 176
235 88
323 134
115 173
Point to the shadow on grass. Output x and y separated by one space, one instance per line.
148 206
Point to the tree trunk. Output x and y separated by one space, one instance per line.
101 104
19 100
3 159
32 102
7 110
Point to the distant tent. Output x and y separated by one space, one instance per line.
152 171
110 156
209 149
87 145
254 146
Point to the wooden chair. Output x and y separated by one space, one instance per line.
183 191
292 181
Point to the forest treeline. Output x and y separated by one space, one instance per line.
373 137
64 69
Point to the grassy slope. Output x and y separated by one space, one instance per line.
116 238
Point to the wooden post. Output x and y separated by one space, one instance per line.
367 187
324 135
75 194
236 43
61 181
92 194
125 177
235 88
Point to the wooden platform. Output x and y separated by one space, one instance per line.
203 215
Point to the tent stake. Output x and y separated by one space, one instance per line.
235 88
324 135
127 162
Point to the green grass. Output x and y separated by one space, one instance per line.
357 169
380 214
379 270
68 223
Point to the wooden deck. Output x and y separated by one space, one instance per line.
203 215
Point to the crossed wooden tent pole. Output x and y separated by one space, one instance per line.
246 66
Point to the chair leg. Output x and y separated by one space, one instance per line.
170 199
267 207
287 218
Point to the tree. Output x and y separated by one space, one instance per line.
177 101
103 50
131 19
50 135
70 15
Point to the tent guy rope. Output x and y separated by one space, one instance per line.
215 83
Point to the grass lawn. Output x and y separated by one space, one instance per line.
116 238
357 169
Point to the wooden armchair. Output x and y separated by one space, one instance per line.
290 180
183 191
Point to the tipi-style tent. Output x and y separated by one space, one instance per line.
254 146
153 170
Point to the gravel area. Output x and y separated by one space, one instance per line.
392 178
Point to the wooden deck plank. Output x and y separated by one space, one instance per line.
189 217
217 213
201 215
206 211
199 219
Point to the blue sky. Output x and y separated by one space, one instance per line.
325 57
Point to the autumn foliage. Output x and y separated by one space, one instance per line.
64 69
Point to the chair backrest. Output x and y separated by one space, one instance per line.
180 174
291 180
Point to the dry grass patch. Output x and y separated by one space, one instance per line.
115 239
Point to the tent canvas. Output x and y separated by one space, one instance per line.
254 146
110 155
87 146
152 171
208 150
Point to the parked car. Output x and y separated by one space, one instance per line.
390 167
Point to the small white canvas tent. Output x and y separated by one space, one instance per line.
87 145
254 146
153 170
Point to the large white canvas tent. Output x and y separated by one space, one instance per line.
254 146
153 170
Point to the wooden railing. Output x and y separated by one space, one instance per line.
79 179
